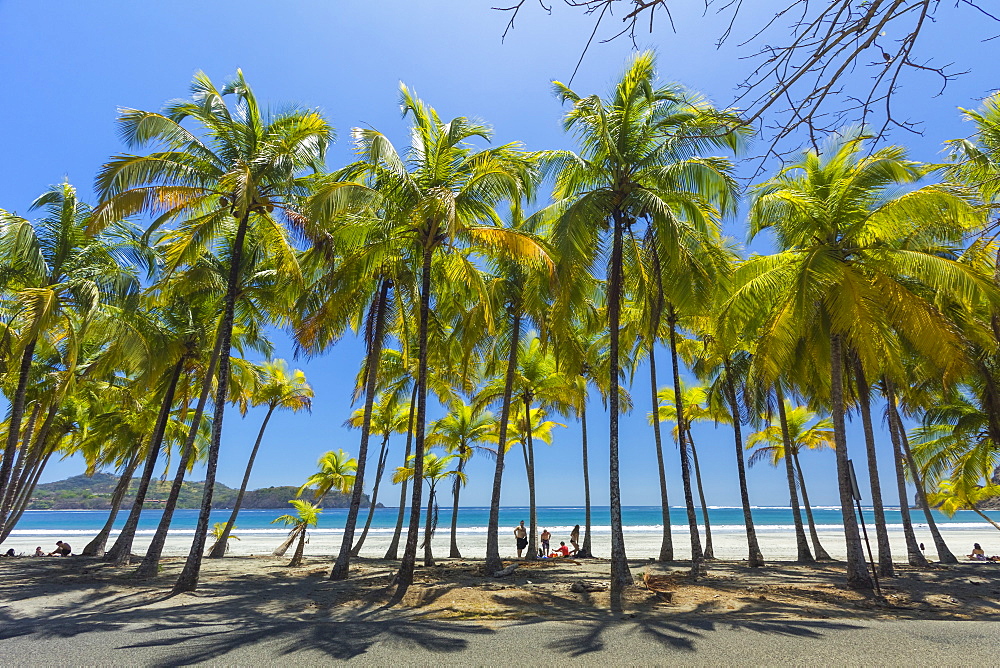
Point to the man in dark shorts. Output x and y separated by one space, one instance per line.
521 534
62 549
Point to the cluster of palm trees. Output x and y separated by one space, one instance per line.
883 280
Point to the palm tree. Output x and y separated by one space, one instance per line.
306 515
242 167
221 531
277 388
850 277
637 164
434 470
769 444
336 474
460 433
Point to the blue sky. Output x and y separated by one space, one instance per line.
67 67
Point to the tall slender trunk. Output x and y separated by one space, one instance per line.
373 501
621 576
342 566
493 562
404 577
803 556
299 550
456 489
754 559
709 552
218 550
857 570
429 530
885 567
667 541
95 548
821 554
697 556
31 454
391 552
914 556
14 424
22 456
121 552
586 551
23 499
188 580
150 564
529 464
945 556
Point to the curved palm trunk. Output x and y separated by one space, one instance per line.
821 554
95 548
585 551
188 580
709 552
914 556
373 501
429 529
17 472
14 425
289 539
343 564
667 542
885 567
24 498
857 570
393 549
404 578
621 576
454 553
299 550
803 556
121 552
945 556
493 562
529 464
222 544
697 556
150 564
755 559
34 456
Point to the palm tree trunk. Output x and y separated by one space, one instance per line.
454 553
188 580
885 567
382 457
150 565
914 556
493 562
23 500
857 570
755 559
404 577
621 576
22 456
221 545
95 548
667 542
532 505
299 550
945 556
709 552
429 530
801 545
343 564
586 551
289 539
697 556
14 424
821 554
32 452
121 552
391 552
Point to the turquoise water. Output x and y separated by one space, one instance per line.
558 519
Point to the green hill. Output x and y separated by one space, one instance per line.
94 493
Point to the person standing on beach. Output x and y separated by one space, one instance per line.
545 537
574 538
521 534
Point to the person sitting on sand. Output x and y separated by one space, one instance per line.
561 551
62 550
39 552
545 538
521 534
977 553
10 553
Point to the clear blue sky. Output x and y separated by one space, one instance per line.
66 68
